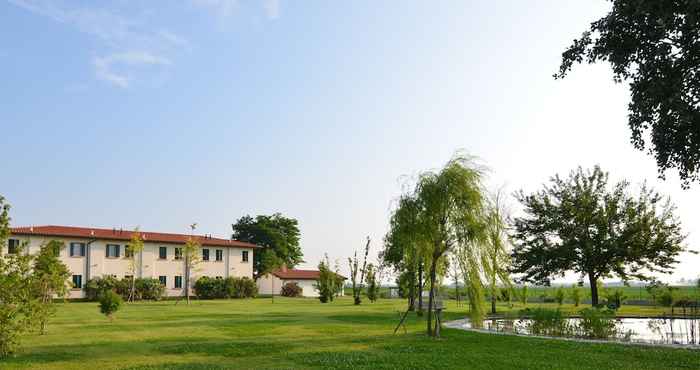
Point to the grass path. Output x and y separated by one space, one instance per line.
302 333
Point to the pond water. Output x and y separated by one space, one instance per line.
677 331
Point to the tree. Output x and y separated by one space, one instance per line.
496 259
329 282
404 250
579 224
356 271
655 45
523 295
451 205
277 235
559 296
18 300
372 283
110 302
50 276
576 295
191 257
135 248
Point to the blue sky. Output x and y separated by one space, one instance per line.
160 114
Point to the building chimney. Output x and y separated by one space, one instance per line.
283 268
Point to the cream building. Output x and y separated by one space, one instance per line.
92 252
272 283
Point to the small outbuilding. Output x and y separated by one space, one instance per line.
273 282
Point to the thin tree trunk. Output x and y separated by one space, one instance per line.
187 279
431 296
420 288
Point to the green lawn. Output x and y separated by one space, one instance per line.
302 333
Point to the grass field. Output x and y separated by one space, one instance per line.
302 333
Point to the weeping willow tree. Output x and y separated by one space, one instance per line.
451 214
469 258
404 249
496 252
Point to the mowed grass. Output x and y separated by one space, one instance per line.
302 333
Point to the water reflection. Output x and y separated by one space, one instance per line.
679 331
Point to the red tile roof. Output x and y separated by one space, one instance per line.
118 234
298 274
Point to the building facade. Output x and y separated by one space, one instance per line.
272 283
93 252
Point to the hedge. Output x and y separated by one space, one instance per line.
231 287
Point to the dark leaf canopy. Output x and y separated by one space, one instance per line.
279 237
655 45
581 224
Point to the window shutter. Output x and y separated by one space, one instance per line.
82 250
117 247
107 250
71 250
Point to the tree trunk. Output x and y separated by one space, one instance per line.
187 279
431 297
493 303
420 288
594 289
412 292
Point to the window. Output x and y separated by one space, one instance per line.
244 256
163 280
12 246
128 253
178 282
219 255
77 249
178 253
163 253
205 254
112 251
77 281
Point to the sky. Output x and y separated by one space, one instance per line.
159 114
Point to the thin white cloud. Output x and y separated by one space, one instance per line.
222 8
105 67
119 35
272 9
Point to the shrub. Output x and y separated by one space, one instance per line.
149 288
666 297
597 323
523 295
231 287
291 290
95 287
559 295
576 295
110 302
545 321
615 298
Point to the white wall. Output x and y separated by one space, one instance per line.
148 264
267 282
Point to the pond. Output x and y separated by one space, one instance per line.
676 331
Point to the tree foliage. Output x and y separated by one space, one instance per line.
496 251
404 250
18 301
372 283
135 248
191 257
277 235
50 277
329 283
110 302
655 45
580 224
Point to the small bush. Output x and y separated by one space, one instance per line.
291 290
615 298
95 287
559 296
149 288
576 295
110 302
666 297
597 323
548 322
